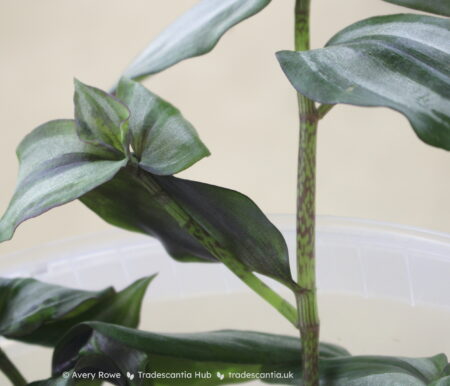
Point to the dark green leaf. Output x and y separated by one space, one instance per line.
123 202
439 7
381 370
104 347
143 351
41 313
164 142
235 222
55 168
101 118
398 61
194 33
230 217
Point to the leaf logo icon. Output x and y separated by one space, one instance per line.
220 375
130 376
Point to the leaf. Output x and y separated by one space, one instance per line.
102 347
194 33
101 118
58 166
439 7
235 222
164 142
123 202
55 168
230 217
398 61
41 313
382 370
197 352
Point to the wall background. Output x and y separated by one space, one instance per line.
370 162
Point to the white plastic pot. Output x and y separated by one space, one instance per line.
383 288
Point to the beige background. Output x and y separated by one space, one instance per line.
370 162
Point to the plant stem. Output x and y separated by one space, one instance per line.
306 185
11 371
190 225
323 110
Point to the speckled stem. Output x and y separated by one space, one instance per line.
11 371
190 225
306 186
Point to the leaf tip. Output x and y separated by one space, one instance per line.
79 88
78 84
141 284
148 279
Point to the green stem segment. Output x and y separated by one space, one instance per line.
306 186
323 110
11 371
190 225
